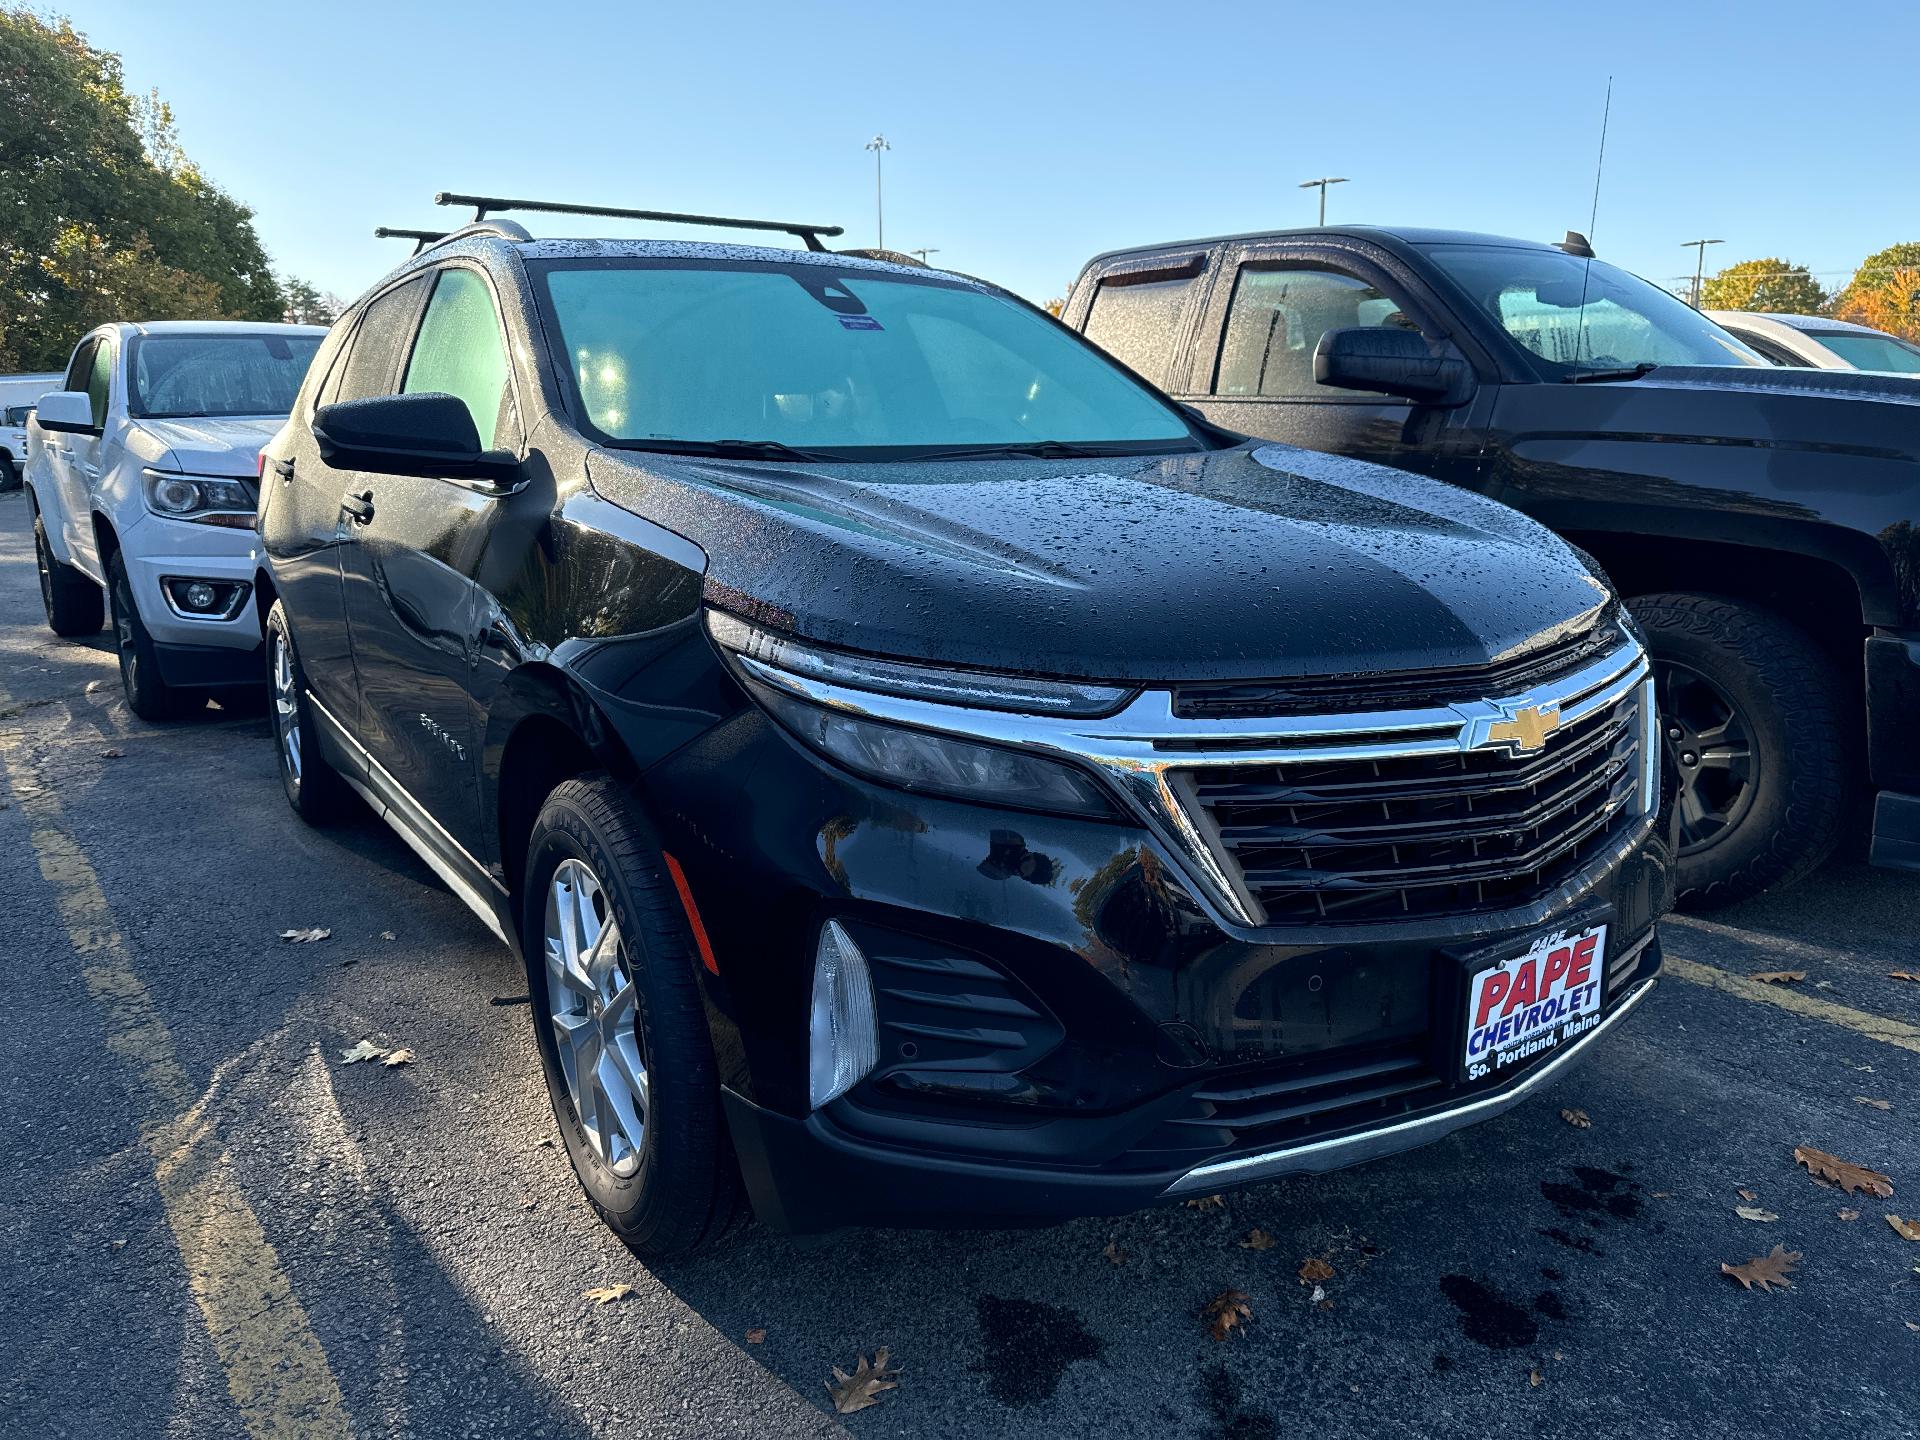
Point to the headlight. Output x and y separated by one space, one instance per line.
186 496
911 758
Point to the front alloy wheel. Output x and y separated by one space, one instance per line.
1711 750
590 986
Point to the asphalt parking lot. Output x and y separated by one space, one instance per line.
214 1225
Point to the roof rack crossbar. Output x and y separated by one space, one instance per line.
482 204
421 238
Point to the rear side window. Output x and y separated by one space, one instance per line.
1276 321
374 359
459 351
100 381
1136 317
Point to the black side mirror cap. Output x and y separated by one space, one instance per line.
1392 361
430 434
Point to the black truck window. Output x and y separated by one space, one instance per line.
1277 317
371 365
1136 317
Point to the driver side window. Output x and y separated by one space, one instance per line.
100 381
1275 321
459 352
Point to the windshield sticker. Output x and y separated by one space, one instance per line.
858 322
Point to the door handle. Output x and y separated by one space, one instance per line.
284 469
359 507
92 472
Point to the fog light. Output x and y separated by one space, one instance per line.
843 1041
200 596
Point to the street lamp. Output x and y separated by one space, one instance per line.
877 145
1699 247
924 253
1323 182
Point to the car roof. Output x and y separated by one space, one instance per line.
1797 322
210 327
1392 236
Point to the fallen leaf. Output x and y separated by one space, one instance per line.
756 1336
1847 1176
388 935
1876 1104
1207 1202
1578 1119
607 1294
1913 1324
398 1057
1114 1253
1746 1195
1534 1378
1905 1229
118 1244
1777 977
1663 1194
1766 1271
1903 975
1849 1214
1226 1310
1313 1270
305 937
1257 1239
862 1388
1754 1212
94 687
365 1050
112 754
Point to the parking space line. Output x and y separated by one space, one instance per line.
276 1369
1861 1022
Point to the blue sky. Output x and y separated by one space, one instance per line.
1028 137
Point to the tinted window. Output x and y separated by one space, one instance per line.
100 381
1137 321
81 366
374 360
818 358
182 375
1870 352
1277 318
459 351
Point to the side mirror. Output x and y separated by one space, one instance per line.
429 434
1392 361
68 411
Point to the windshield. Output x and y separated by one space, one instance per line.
823 360
175 376
1536 295
17 414
1870 352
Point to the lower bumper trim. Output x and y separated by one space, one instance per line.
211 667
1314 1157
1896 831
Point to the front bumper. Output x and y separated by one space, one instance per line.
155 549
1893 747
810 1175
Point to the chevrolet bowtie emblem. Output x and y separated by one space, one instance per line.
1527 730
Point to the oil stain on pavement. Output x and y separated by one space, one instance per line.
1028 1345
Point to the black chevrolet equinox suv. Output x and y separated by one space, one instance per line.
931 777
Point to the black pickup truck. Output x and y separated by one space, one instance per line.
1761 520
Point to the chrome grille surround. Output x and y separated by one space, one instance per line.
1150 755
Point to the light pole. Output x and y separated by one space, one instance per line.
1323 182
924 253
879 144
1699 247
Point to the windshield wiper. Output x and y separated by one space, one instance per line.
1039 449
1625 372
745 449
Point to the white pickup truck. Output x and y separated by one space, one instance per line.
142 475
18 395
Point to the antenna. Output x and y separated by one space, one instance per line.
1586 273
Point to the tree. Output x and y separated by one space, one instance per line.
102 215
1771 285
307 305
1885 291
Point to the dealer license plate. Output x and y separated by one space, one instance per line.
1537 1001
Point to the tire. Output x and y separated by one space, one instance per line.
74 604
1735 681
678 1189
148 694
9 474
313 787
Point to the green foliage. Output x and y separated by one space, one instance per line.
1770 285
308 306
102 216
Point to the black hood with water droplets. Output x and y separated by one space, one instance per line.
1260 561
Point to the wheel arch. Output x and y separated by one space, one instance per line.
106 540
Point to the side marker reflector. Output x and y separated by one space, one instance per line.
700 939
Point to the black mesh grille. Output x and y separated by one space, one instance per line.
1333 694
1469 831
